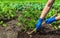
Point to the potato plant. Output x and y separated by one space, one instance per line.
28 13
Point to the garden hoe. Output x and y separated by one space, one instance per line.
35 29
44 24
49 26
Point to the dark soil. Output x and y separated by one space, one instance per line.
38 35
44 32
41 33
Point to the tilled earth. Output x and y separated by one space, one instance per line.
41 33
46 31
38 35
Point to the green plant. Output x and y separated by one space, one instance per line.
28 13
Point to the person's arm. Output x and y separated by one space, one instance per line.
52 19
47 8
58 18
44 12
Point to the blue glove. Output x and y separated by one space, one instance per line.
39 23
50 20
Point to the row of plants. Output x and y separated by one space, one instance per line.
28 13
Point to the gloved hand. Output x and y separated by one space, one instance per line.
39 23
50 20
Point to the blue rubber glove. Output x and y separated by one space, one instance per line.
39 23
50 20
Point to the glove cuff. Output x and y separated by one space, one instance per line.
40 19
